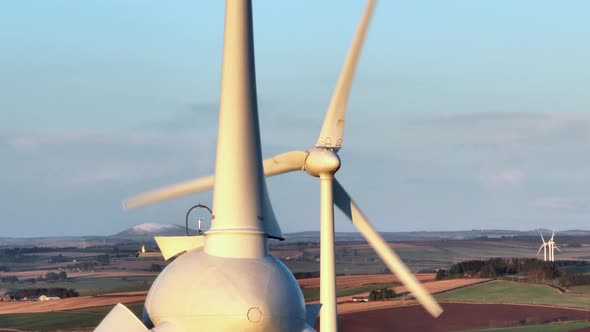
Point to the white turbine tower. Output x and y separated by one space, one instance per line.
226 280
544 247
552 247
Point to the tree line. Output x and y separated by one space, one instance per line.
49 277
496 267
381 294
28 292
568 280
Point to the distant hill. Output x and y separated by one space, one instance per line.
437 235
149 230
144 233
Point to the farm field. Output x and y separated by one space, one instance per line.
514 292
346 306
553 327
580 289
125 273
362 279
456 317
105 287
359 258
94 286
344 294
71 303
577 269
408 318
80 319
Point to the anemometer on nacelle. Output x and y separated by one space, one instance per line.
200 220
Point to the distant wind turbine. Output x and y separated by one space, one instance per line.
552 247
544 247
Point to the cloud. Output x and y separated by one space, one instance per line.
503 177
556 203
23 141
437 171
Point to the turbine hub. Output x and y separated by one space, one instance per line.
322 161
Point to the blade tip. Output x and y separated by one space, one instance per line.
436 312
126 205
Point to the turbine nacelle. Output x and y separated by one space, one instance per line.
321 161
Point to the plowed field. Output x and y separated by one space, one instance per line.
456 317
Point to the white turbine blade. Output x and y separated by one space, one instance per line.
282 163
285 162
557 248
333 127
173 191
542 238
121 319
389 257
311 313
538 252
171 246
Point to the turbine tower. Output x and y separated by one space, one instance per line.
544 247
552 247
226 280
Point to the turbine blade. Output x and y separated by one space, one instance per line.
121 319
311 313
171 246
333 127
538 252
282 163
173 191
557 248
285 162
389 257
542 238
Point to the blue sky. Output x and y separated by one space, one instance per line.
464 113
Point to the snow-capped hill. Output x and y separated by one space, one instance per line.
151 229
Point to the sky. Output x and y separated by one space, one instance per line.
463 114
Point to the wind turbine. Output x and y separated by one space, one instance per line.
544 247
552 247
226 279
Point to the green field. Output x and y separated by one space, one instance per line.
341 267
577 269
60 320
92 286
313 294
556 327
515 292
580 288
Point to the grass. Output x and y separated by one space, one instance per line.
60 320
92 286
364 288
515 292
424 255
312 294
577 269
360 267
555 327
580 288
